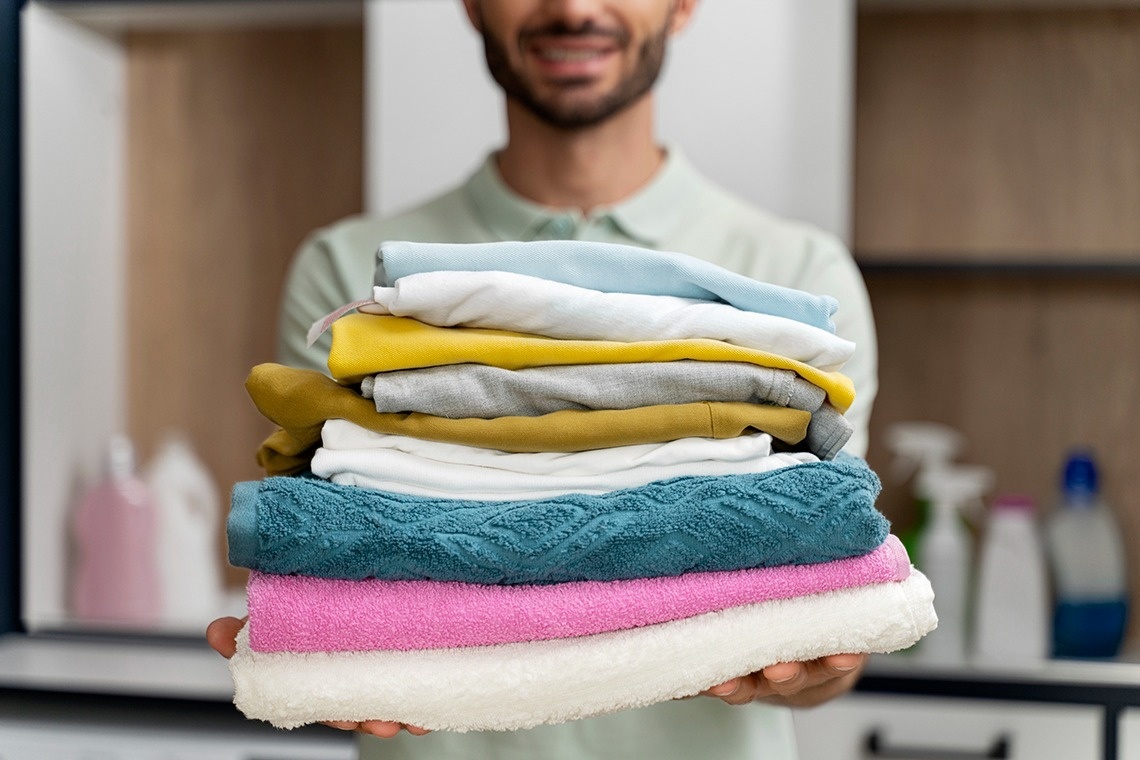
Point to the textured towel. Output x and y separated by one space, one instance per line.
297 613
521 303
515 686
354 456
609 267
300 401
813 512
364 344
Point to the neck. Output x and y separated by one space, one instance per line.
580 168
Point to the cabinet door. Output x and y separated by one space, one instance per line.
1129 736
861 727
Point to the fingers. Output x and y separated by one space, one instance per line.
841 665
222 634
385 729
796 683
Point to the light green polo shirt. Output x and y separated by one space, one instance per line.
678 210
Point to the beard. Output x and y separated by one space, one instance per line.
567 113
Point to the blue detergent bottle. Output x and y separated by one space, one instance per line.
1087 562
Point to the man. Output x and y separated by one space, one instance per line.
581 162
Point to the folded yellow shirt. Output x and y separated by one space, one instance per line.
300 400
364 344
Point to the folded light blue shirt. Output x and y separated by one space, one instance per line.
590 264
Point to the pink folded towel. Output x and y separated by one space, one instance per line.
295 613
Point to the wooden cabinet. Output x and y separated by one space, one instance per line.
862 727
996 211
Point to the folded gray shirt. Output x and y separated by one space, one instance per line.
460 391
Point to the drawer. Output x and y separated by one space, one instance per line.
65 739
864 727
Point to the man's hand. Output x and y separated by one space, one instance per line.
794 684
222 635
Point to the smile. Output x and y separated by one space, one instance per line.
563 54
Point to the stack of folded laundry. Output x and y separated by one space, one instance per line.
554 480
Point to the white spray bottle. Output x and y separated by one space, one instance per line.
945 548
919 446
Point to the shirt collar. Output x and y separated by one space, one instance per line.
649 216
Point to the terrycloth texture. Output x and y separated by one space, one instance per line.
521 303
478 390
514 686
354 456
813 512
300 401
364 344
608 267
297 613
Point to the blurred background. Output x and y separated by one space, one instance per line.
981 160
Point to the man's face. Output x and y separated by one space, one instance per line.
575 63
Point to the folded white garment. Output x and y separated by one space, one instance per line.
354 456
522 303
516 686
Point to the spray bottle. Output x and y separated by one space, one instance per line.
917 448
945 548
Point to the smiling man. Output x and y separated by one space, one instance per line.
582 162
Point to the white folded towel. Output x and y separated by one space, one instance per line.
516 686
354 456
522 303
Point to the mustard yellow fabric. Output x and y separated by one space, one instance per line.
300 400
364 344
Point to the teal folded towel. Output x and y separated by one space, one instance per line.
811 512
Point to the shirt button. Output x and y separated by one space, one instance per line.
561 226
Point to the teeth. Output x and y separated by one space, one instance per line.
560 54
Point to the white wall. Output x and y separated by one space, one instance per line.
758 94
73 165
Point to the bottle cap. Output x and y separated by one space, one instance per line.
1080 478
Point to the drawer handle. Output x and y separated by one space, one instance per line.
875 747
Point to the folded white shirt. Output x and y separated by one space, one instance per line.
522 303
355 456
516 686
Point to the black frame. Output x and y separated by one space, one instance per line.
10 316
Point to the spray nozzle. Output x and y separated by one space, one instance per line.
920 445
958 486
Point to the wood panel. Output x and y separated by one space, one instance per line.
241 141
1026 368
1005 134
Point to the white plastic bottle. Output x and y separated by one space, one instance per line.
114 580
1011 612
945 547
188 513
1086 553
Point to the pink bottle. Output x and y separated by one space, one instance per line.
115 580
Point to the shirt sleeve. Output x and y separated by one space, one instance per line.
836 274
316 285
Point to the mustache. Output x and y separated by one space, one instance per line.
588 28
